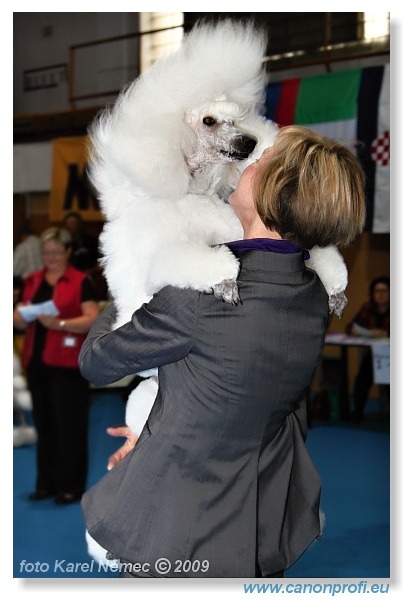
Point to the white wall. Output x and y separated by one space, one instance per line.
44 39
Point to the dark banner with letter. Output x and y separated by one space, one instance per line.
71 189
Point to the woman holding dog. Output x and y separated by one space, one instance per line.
220 483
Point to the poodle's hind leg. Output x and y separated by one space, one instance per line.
95 550
139 404
138 408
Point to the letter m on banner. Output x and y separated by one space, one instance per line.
71 189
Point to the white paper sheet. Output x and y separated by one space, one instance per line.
30 312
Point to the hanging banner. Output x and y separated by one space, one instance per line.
71 189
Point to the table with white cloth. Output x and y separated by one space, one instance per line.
380 348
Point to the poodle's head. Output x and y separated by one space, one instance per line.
217 137
225 139
185 124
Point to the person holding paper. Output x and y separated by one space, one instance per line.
372 320
57 310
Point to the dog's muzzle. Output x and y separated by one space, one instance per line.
240 148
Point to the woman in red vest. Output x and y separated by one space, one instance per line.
51 346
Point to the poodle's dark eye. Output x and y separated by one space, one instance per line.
209 121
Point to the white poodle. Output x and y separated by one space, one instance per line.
164 160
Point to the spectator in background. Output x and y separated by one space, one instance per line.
84 247
60 394
27 256
374 318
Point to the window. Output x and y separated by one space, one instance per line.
168 36
376 25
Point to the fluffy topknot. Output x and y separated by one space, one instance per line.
214 60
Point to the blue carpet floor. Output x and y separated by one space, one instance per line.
354 464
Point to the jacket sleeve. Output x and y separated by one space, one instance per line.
159 333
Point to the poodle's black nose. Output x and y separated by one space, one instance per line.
248 144
243 147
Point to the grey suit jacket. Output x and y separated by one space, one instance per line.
220 472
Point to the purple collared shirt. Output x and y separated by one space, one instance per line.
267 245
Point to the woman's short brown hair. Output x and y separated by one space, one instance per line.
311 190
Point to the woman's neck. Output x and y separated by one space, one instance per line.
53 276
258 230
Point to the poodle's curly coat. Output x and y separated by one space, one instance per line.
164 158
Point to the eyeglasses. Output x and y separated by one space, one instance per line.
52 252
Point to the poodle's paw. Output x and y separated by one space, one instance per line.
337 303
98 553
227 291
140 403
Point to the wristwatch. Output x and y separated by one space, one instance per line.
62 324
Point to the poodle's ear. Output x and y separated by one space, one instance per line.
140 151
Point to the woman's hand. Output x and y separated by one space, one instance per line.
49 322
18 321
123 450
